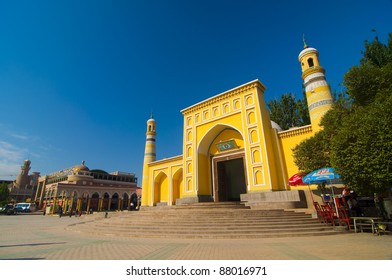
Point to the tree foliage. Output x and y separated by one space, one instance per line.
362 150
377 53
373 76
288 111
4 193
315 152
357 138
307 162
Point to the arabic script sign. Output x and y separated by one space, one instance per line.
226 145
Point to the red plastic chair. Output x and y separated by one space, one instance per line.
320 212
344 217
329 214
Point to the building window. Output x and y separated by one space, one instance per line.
310 62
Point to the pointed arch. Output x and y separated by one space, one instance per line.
134 201
209 137
207 148
161 184
177 185
105 201
114 202
83 201
125 202
94 201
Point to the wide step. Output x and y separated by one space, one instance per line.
204 220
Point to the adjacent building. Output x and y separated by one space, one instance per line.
80 189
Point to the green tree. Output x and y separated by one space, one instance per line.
315 152
289 112
373 76
303 110
4 193
362 149
308 161
377 53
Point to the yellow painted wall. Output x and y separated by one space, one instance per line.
204 178
268 142
288 140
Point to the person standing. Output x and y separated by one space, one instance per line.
353 206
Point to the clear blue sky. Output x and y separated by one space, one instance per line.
78 79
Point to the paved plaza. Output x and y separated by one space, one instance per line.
37 237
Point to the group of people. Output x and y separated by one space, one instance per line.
77 213
60 211
350 199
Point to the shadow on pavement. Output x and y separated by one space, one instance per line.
24 259
32 244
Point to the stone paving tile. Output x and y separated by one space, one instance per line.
46 237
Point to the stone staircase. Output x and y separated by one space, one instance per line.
227 220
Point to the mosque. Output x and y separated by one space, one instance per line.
232 151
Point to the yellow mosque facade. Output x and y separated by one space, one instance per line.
232 151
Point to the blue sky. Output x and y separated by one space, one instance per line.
79 79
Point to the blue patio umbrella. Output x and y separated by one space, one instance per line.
323 175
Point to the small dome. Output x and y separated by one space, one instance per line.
276 126
306 51
151 119
80 167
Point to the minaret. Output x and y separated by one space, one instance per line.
149 156
22 180
318 93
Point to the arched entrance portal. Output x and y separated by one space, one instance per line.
221 164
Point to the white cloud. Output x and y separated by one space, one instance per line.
11 158
10 152
19 136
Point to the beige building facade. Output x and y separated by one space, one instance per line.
80 189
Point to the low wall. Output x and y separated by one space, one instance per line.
275 200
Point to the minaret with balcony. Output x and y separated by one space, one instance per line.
149 156
318 93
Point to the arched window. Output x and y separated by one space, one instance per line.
310 62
